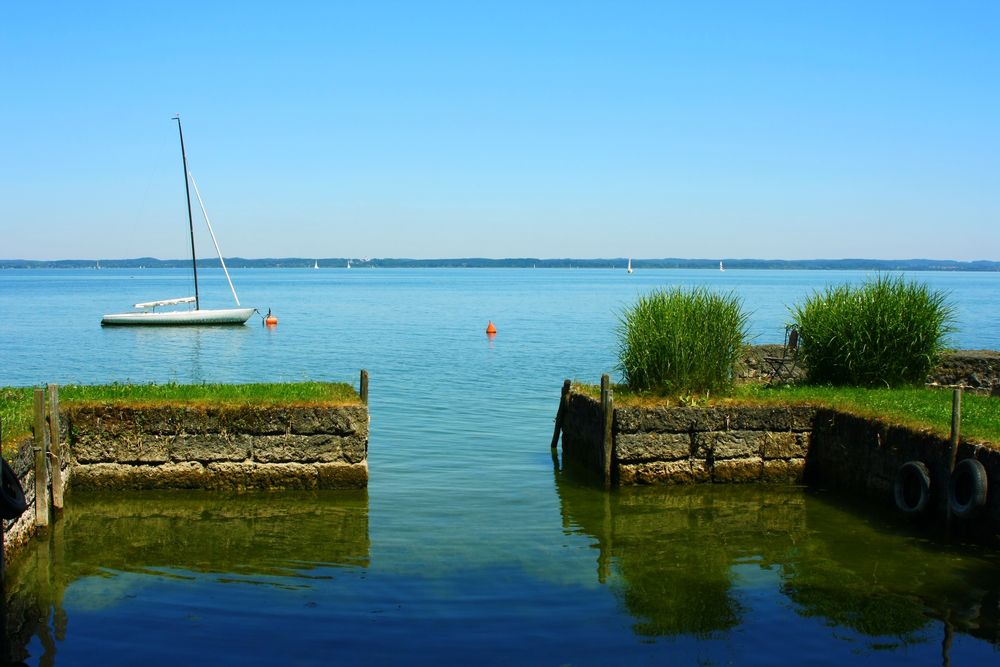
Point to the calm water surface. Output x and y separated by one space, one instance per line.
469 545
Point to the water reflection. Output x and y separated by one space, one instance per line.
102 541
703 560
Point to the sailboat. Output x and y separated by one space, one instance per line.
629 269
148 313
720 267
316 264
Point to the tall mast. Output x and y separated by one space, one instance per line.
187 191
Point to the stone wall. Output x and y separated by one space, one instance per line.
682 445
175 446
977 370
864 455
685 445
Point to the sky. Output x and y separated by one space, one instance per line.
750 129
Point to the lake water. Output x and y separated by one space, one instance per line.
469 545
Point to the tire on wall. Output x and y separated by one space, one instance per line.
967 487
12 504
912 488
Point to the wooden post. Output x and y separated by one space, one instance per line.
563 405
54 448
41 476
608 411
956 426
364 386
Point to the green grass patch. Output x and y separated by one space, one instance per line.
919 408
16 403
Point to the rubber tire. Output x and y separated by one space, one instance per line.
967 487
912 477
12 504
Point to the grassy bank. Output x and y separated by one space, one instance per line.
16 402
921 408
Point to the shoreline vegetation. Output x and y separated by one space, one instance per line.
513 263
16 403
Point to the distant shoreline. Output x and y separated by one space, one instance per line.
515 263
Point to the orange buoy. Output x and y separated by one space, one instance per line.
271 321
490 329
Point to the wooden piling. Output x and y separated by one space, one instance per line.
956 426
560 413
363 390
41 475
607 411
54 448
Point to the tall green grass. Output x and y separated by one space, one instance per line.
887 332
681 341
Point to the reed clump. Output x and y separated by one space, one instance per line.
681 341
885 332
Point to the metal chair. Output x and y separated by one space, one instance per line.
783 367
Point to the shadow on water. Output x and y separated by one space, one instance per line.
697 561
246 539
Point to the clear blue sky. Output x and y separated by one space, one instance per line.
503 129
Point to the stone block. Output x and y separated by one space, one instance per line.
117 476
785 445
802 417
255 419
746 469
210 447
728 444
242 476
663 472
342 475
308 449
636 447
760 419
784 471
342 421
128 447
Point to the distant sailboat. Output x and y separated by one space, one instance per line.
629 269
348 263
316 264
721 267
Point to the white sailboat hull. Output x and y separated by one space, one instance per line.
179 317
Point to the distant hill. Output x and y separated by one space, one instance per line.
521 262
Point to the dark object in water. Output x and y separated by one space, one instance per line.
12 503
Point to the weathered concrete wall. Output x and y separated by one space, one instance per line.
164 446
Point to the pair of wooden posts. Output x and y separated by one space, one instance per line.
607 423
46 451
